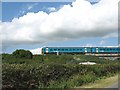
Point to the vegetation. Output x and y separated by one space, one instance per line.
53 75
52 71
61 59
22 54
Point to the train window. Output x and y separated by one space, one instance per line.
77 49
50 49
62 49
113 49
107 49
55 49
103 49
66 49
58 49
73 49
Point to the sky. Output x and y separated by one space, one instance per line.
32 25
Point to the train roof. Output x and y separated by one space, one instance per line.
78 46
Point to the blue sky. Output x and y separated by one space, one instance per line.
18 9
12 13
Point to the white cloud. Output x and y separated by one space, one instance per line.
26 8
70 22
52 9
36 51
22 12
102 42
90 45
114 34
29 7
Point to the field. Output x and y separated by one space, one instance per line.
52 71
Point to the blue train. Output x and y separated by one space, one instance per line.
81 50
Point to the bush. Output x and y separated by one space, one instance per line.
6 56
53 75
22 54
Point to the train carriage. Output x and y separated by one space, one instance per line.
82 50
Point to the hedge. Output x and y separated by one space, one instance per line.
53 75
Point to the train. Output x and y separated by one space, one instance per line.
81 50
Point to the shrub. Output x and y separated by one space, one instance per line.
6 56
53 75
22 54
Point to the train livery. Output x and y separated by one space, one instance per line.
81 50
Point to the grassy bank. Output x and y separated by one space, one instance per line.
103 83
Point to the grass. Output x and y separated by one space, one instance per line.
101 83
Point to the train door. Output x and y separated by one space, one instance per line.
96 50
46 50
85 50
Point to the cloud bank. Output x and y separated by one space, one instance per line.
75 21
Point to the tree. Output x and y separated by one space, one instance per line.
22 54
